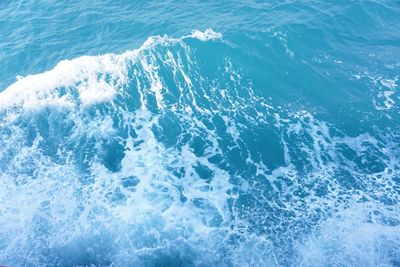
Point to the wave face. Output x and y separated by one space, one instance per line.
207 150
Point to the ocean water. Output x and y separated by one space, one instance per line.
186 133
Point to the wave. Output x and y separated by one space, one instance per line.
102 153
167 154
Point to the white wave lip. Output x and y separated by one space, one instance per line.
86 74
207 35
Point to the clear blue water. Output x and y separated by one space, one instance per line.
230 133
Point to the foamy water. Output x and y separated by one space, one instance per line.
209 149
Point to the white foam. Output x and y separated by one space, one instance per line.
355 236
389 83
207 35
86 75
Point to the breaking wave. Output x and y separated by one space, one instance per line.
168 155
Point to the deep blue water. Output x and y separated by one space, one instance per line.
220 133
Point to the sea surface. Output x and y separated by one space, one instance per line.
199 133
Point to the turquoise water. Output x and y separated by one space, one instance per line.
237 133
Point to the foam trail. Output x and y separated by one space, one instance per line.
152 157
